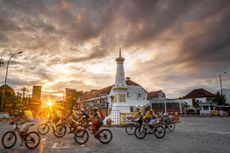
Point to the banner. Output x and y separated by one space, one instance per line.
125 118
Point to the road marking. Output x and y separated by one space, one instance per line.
43 142
219 132
224 133
55 145
65 144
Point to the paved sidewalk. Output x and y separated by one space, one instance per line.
199 135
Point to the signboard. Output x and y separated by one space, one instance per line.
125 118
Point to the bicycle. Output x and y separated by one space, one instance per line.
71 125
144 129
167 122
131 126
81 136
31 139
59 130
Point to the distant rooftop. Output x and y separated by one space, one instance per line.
104 91
154 94
199 93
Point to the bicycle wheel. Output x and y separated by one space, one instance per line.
130 128
159 131
60 131
32 140
43 129
105 136
140 132
81 136
65 126
9 139
171 127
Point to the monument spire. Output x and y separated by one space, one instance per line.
120 74
119 52
120 87
120 59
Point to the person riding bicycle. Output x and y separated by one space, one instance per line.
73 118
97 121
153 120
54 117
150 117
24 118
148 114
138 116
84 114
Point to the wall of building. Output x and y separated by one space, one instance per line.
172 105
183 101
136 93
201 100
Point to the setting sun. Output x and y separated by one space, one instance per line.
50 104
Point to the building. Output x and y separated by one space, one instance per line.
200 96
156 95
36 93
35 101
198 100
124 96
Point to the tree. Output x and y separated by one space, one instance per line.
195 103
9 99
220 99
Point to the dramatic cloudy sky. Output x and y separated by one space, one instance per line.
172 45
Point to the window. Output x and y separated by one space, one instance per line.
122 98
112 98
131 108
115 98
205 108
139 95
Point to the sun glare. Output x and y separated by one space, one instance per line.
50 104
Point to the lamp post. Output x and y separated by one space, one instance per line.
4 89
220 76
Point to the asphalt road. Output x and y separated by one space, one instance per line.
193 134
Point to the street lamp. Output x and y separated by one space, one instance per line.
4 89
220 76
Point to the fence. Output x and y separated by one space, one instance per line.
121 119
115 116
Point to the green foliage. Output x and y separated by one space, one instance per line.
220 99
195 103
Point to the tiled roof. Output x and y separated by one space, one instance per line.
95 93
130 82
154 94
199 93
103 91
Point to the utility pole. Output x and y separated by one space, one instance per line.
220 76
221 90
